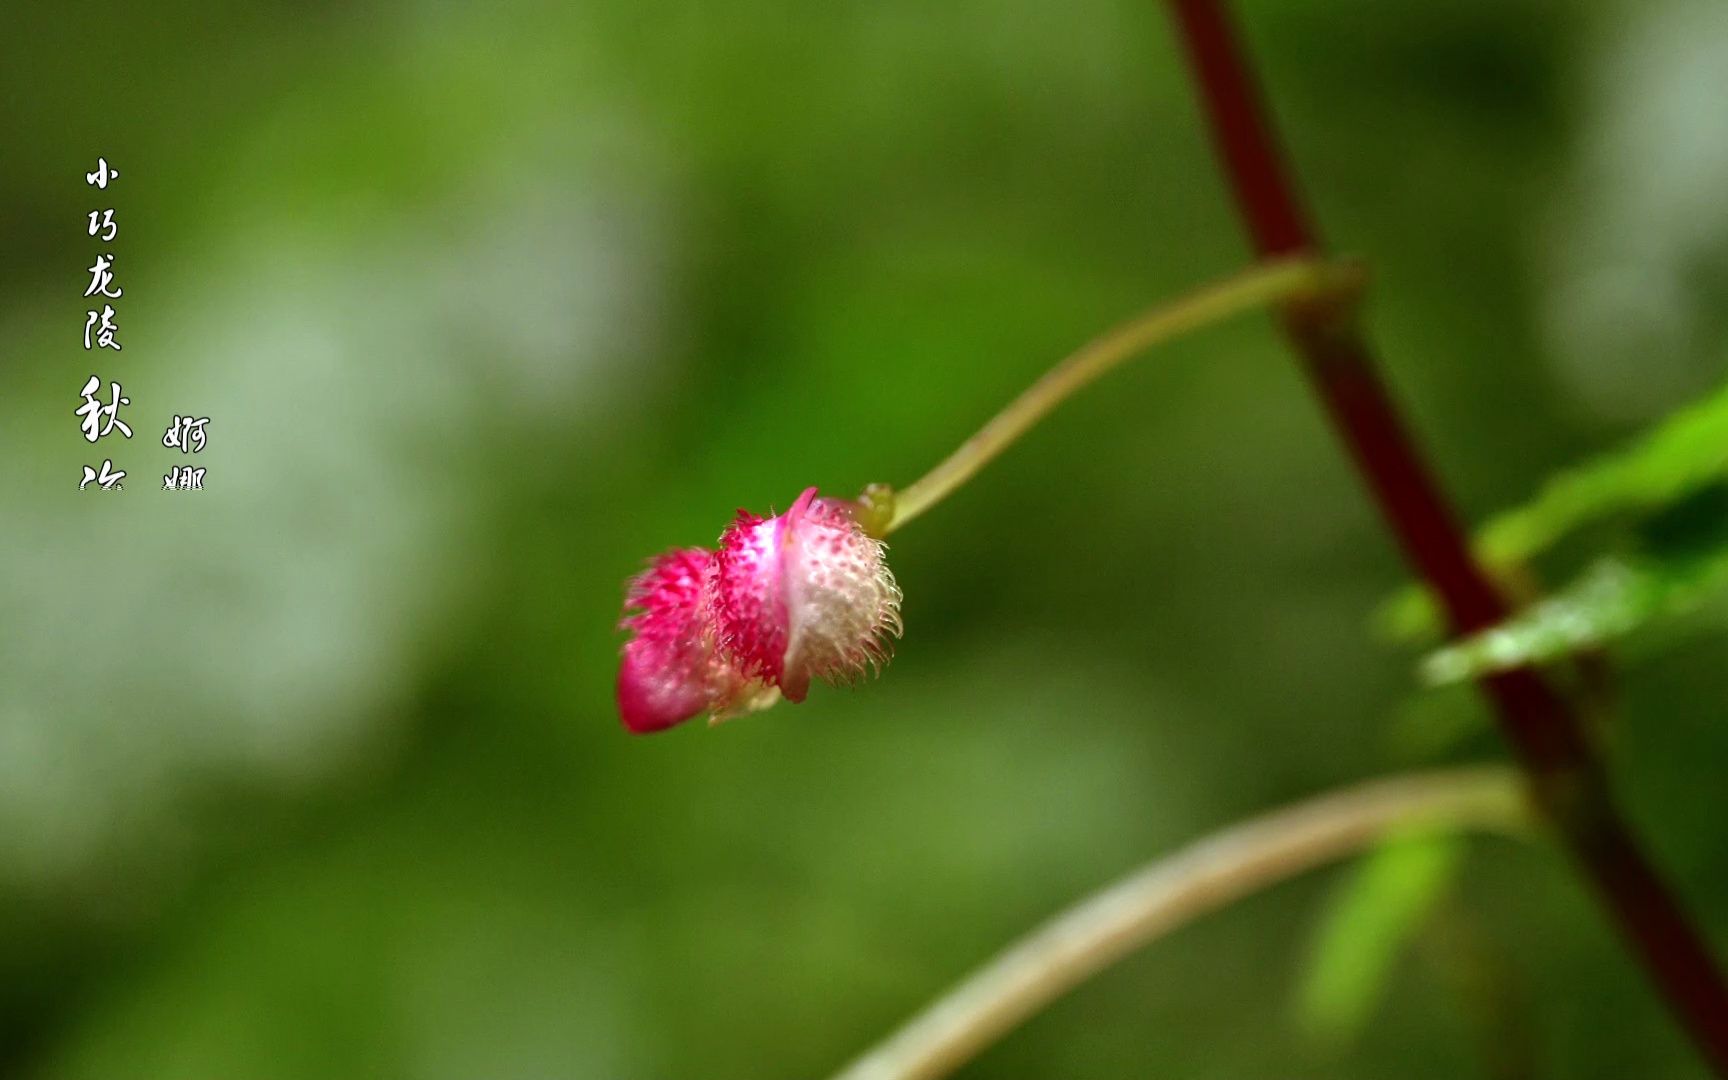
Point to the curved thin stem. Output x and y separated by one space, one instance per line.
1202 877
1269 283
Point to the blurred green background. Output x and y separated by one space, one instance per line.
317 773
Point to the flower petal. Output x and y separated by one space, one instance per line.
841 598
750 595
670 672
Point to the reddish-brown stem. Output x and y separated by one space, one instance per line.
1566 776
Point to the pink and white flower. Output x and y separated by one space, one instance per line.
784 600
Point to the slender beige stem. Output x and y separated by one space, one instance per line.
1171 891
1258 286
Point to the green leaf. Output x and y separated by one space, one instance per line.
1366 925
1612 598
1683 457
1686 454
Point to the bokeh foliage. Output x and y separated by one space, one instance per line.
316 773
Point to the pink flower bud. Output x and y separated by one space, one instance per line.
806 594
785 599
